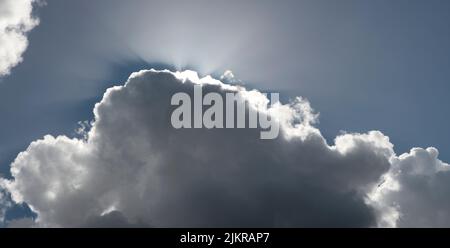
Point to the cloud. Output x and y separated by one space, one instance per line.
415 191
133 169
134 163
16 20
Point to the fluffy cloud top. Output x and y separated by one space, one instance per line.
15 21
414 193
133 169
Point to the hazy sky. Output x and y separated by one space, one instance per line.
364 65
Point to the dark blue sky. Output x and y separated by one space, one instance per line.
364 65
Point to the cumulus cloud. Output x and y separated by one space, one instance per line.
415 191
16 20
131 168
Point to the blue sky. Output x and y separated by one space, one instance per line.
364 65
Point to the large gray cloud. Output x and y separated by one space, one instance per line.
133 169
135 163
16 20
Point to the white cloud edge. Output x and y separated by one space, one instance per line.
17 21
